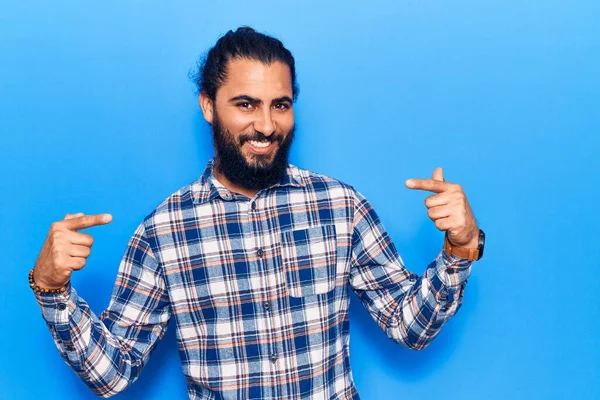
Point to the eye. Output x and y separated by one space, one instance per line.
244 105
282 106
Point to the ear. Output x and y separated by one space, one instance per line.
207 107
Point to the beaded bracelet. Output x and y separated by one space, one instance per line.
41 290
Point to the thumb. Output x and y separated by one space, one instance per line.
71 216
438 175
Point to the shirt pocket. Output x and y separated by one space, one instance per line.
309 260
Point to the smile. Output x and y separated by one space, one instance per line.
259 144
261 147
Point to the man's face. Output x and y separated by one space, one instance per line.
253 122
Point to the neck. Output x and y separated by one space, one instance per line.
233 187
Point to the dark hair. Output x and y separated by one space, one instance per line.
245 42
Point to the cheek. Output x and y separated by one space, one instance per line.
234 120
239 121
285 122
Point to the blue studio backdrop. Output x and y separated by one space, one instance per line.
97 115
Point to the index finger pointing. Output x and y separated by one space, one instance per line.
87 221
427 184
71 216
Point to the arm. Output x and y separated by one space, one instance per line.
410 309
108 352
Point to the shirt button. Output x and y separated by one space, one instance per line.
259 252
266 305
273 358
450 270
253 206
61 306
69 347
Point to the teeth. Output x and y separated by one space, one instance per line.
259 144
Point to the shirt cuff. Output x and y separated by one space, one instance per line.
451 271
58 308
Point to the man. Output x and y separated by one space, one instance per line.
255 259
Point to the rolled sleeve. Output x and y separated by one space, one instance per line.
411 309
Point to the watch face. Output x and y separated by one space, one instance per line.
481 244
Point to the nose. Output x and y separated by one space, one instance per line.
264 123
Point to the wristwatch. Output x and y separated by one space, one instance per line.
471 254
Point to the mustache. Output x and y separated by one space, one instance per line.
261 137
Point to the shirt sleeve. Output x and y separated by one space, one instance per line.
410 309
108 352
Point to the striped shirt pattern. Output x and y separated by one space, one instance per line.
259 290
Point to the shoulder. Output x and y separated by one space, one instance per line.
314 181
172 208
326 186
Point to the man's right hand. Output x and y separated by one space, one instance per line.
65 249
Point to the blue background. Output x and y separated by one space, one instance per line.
97 115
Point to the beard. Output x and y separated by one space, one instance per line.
260 172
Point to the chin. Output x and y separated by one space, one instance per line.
260 160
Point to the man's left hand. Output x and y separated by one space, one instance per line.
449 209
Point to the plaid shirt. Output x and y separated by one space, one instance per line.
259 289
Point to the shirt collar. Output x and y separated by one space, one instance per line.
207 187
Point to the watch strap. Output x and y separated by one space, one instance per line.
471 254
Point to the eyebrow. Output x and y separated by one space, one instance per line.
253 100
247 98
283 99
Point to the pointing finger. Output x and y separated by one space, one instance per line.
427 184
71 216
87 221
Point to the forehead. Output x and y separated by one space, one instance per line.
256 79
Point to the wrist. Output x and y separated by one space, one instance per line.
39 286
469 250
473 243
